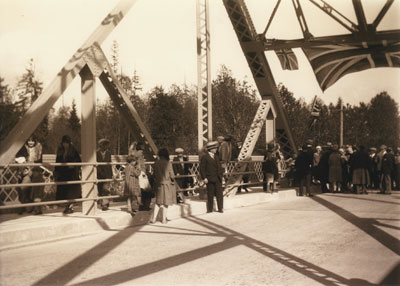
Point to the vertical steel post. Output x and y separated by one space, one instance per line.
88 139
204 98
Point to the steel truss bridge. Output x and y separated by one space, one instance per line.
331 57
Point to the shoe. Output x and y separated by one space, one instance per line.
68 211
221 211
104 208
209 211
310 195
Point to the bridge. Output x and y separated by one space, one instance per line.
283 242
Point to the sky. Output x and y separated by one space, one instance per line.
157 38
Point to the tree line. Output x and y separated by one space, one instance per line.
171 115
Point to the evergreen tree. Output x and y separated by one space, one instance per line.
234 105
28 87
9 114
28 90
74 125
383 121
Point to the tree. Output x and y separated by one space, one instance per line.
9 114
28 90
165 113
234 105
74 125
59 126
383 121
28 87
298 115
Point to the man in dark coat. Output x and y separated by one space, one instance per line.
211 173
387 169
103 154
303 166
323 167
270 169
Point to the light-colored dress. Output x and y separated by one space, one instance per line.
164 184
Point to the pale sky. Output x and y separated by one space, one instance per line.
158 39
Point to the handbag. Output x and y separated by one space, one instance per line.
144 182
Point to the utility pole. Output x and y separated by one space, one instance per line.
341 121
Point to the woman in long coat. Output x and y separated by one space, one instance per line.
359 164
164 185
66 153
335 170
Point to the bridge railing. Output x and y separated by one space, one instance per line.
9 180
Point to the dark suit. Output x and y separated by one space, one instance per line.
211 170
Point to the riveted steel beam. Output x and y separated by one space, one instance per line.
36 113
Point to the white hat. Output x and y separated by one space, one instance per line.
179 150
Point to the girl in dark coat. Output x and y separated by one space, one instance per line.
66 153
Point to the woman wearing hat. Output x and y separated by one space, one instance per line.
66 153
163 185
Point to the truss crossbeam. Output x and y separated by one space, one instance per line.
248 147
347 39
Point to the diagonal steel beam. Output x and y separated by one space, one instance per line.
359 11
35 114
257 61
382 13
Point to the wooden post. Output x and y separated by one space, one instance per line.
88 139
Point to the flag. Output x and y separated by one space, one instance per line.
315 108
332 62
287 59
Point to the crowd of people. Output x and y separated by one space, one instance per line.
346 169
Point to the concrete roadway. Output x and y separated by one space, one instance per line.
331 239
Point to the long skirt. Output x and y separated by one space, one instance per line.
360 177
166 194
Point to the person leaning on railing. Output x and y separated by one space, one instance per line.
66 153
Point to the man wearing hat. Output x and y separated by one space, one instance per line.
211 173
180 168
103 154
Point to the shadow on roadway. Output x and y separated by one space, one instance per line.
232 239
367 225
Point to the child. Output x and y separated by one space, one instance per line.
132 188
37 191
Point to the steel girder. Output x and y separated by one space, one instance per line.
361 32
249 143
36 113
204 98
254 51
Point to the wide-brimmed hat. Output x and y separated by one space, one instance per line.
103 141
212 145
179 150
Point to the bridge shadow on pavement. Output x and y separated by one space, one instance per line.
368 225
232 239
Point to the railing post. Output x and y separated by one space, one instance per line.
88 139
